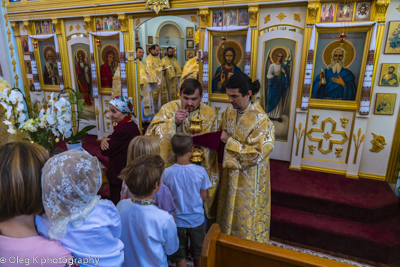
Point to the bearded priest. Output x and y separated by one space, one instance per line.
173 73
174 117
244 191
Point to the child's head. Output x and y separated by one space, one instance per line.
182 144
142 145
21 166
70 182
143 175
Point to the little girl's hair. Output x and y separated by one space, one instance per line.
142 145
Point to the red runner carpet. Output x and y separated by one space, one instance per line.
357 217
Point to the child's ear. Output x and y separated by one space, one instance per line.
192 149
157 184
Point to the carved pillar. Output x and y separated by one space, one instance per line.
381 10
57 26
123 20
312 12
88 24
204 14
204 17
27 26
254 13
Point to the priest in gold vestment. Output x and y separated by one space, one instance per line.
156 69
173 73
174 117
147 81
244 193
190 70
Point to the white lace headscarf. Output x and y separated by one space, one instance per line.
70 182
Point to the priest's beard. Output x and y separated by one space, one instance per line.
170 56
337 66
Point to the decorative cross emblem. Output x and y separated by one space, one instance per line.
14 62
322 130
9 35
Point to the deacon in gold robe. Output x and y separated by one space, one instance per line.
174 117
244 196
147 82
173 72
155 68
190 70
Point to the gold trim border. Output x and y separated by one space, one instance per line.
372 176
325 170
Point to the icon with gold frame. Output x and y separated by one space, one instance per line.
107 58
393 38
150 40
363 11
47 65
345 11
384 104
189 32
390 74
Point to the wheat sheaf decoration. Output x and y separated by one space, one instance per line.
299 136
357 143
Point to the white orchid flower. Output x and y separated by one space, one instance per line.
65 129
41 113
4 104
63 118
20 107
51 101
4 96
6 122
15 97
11 129
8 112
53 129
51 119
21 120
63 105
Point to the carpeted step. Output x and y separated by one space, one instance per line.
362 200
379 242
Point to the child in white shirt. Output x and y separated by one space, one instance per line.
149 233
86 225
188 184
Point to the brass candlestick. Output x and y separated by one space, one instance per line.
195 127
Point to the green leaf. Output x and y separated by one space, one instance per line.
83 132
26 139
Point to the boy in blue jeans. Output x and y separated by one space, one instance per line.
188 184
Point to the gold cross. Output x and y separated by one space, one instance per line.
398 8
16 79
9 35
14 62
4 4
77 27
11 49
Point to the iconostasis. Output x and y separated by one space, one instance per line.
328 70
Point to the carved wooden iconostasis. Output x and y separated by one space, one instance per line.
317 127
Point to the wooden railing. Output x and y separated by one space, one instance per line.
220 250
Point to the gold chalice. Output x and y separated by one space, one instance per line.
195 127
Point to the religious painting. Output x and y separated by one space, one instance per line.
277 82
28 66
148 49
46 27
83 77
38 27
164 51
25 44
53 27
230 18
117 25
273 28
226 59
384 104
108 60
243 17
363 11
189 43
189 32
189 54
137 44
108 23
31 85
327 12
282 28
99 24
393 38
149 39
48 62
130 55
217 18
338 70
390 74
344 12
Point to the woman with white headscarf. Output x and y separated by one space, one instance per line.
115 146
86 225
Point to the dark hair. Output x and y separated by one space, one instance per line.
21 166
233 52
181 144
142 174
153 47
392 67
139 47
242 82
169 47
189 87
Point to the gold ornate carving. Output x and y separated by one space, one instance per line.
97 113
398 8
357 142
105 113
14 63
106 101
281 16
137 22
123 20
253 15
267 18
157 5
299 134
26 26
49 97
15 27
312 12
71 28
297 17
4 4
204 17
338 152
314 119
11 48
88 24
6 19
16 79
344 122
77 27
9 35
381 9
108 124
217 109
331 142
378 143
312 148
327 136
193 18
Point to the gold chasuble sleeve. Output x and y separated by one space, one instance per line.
163 127
190 70
244 197
172 75
154 67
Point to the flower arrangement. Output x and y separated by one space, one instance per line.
12 101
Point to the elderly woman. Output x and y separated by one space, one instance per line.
20 200
115 146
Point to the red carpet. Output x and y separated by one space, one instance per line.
357 217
